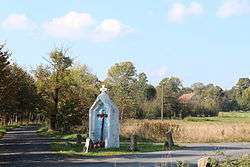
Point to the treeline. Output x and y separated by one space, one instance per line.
19 100
61 93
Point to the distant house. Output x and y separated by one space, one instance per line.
186 98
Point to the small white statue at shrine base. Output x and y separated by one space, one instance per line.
104 121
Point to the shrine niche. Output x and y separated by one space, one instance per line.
104 122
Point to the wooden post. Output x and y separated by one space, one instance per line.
169 142
133 143
162 102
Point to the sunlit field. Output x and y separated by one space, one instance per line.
227 127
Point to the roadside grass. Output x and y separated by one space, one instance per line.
73 149
4 129
70 148
44 131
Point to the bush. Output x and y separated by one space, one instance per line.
241 162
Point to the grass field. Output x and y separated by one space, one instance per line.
227 127
224 117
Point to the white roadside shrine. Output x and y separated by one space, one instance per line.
104 121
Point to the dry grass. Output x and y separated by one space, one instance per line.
231 127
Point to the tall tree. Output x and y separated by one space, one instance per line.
51 80
26 97
78 98
122 82
246 99
5 83
238 90
171 89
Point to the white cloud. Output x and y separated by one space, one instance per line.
159 72
234 7
71 26
178 11
110 29
77 25
17 22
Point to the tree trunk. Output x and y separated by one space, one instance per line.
52 123
6 119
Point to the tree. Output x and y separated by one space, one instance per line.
171 89
238 90
246 99
243 84
78 98
173 84
26 97
122 83
6 96
142 83
207 100
51 81
18 96
150 92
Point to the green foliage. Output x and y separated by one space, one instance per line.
241 93
18 97
243 161
181 164
129 90
67 90
207 101
121 80
52 82
168 91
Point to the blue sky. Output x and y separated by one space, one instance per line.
198 41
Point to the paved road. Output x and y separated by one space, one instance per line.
22 147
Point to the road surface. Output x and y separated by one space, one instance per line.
22 147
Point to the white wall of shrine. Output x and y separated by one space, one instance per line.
111 129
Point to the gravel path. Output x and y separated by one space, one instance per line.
22 147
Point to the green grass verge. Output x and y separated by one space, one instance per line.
70 148
4 129
44 131
73 149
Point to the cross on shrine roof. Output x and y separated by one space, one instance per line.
103 89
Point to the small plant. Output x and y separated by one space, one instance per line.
219 152
213 162
181 164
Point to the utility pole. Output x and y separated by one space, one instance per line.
162 101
